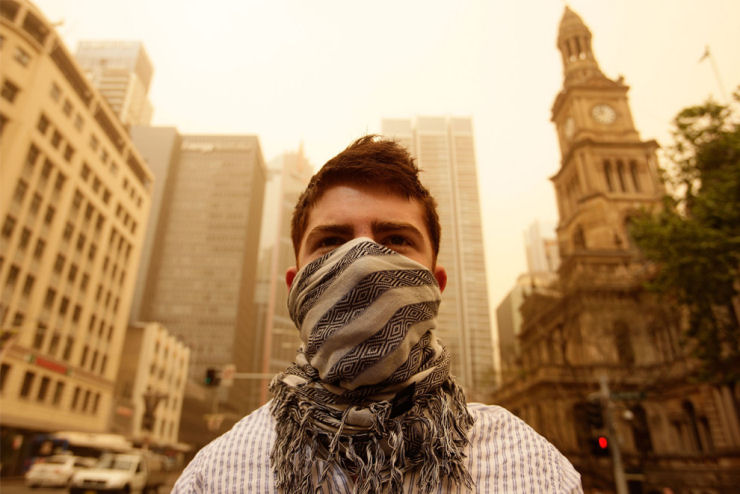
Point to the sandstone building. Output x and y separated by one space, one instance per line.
597 320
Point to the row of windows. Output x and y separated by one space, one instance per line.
52 391
67 108
55 137
625 185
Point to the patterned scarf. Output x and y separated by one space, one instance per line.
370 391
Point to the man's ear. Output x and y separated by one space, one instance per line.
290 276
441 275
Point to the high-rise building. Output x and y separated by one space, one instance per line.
293 171
74 203
542 251
444 151
598 327
202 258
122 72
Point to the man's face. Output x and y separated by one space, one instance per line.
346 212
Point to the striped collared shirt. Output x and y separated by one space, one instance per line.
505 455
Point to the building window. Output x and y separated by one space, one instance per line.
49 299
20 191
38 251
28 285
68 348
21 56
68 152
43 389
86 400
25 239
83 357
635 176
3 122
55 92
49 216
12 277
28 379
54 344
43 124
58 393
9 91
63 306
608 175
620 174
35 204
4 371
78 122
67 107
8 226
96 403
39 336
623 341
75 398
56 139
59 182
59 263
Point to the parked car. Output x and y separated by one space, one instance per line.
56 470
139 471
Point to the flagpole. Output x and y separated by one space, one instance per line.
708 54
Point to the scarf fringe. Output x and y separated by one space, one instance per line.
430 438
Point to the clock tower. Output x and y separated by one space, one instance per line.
606 171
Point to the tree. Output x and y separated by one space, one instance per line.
694 240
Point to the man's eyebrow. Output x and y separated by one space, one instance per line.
335 229
387 226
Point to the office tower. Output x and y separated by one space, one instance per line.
74 203
443 149
293 171
202 260
153 375
542 251
122 72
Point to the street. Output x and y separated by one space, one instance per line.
18 486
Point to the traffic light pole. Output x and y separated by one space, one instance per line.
620 480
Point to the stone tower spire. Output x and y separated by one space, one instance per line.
574 43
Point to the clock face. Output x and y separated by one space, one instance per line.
569 127
603 113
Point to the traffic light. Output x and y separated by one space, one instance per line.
212 378
595 414
600 446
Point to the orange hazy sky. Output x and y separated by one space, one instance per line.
325 72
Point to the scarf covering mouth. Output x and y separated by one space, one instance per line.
370 391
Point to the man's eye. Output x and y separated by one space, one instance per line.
397 241
327 242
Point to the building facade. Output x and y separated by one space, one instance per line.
74 203
598 324
444 150
151 381
202 259
122 73
281 336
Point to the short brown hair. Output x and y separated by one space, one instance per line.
369 161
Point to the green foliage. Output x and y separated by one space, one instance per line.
694 240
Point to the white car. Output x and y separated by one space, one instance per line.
120 472
56 470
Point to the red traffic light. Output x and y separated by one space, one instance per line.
603 443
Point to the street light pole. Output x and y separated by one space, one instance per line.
620 480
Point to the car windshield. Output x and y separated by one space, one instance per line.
115 463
